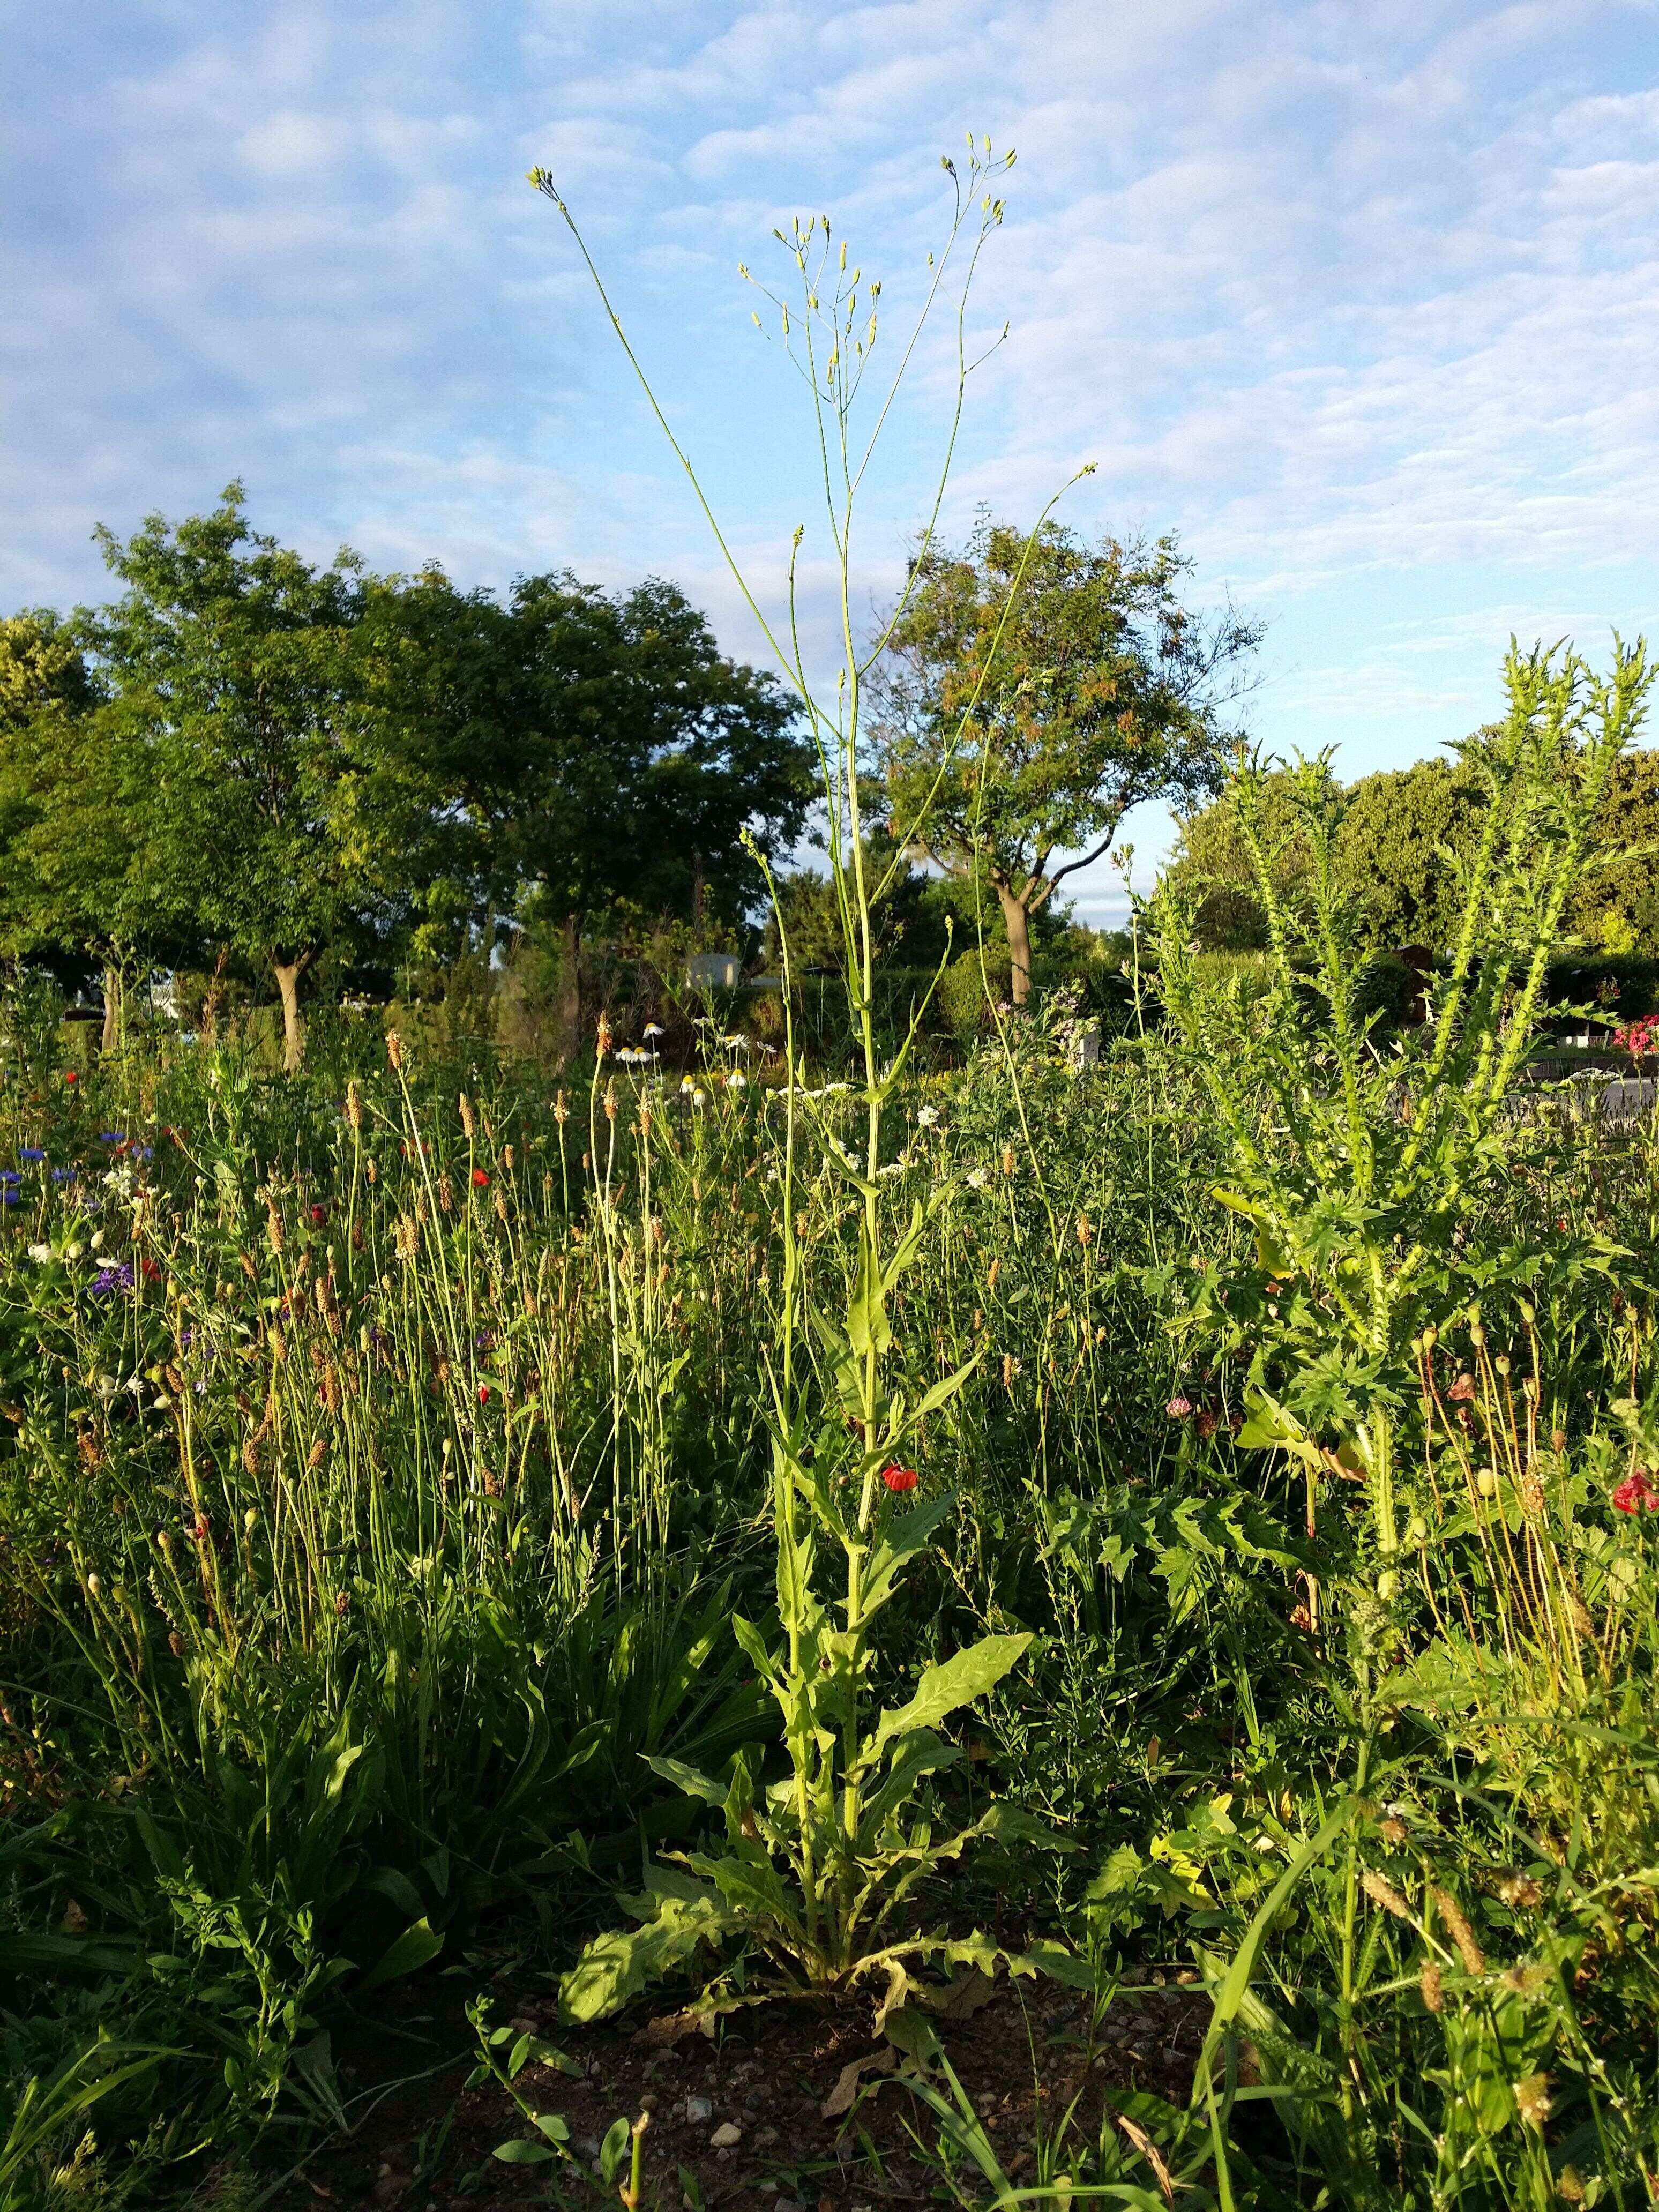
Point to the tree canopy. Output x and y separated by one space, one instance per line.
597 753
230 664
1397 849
1032 690
249 757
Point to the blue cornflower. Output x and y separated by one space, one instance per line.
112 1136
31 1152
63 1174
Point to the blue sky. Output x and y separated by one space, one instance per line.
1363 301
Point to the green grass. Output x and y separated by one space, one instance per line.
358 1554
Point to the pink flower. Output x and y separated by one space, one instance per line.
1178 1407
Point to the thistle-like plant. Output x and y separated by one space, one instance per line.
815 1866
1360 1160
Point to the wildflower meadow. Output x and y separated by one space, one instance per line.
758 1609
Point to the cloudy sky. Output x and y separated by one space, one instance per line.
1363 301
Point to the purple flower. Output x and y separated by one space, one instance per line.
112 1137
108 1280
63 1174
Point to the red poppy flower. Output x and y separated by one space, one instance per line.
480 1180
148 1268
899 1479
483 1394
319 1213
71 1077
1636 1494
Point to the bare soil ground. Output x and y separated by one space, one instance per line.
737 2119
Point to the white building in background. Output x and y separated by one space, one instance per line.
714 971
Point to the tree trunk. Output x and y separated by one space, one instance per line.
111 1040
697 896
1016 920
570 990
293 1033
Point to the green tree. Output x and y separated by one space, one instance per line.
1212 863
1393 854
274 822
601 757
1398 846
1031 691
911 921
1398 851
73 812
1616 908
42 666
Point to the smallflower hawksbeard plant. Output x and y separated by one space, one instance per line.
815 1867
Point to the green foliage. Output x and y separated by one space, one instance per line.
814 1867
1404 837
264 769
1030 691
1397 850
1357 1205
257 804
1617 909
494 1716
601 757
805 1496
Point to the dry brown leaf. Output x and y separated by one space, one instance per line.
1148 2149
840 2098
